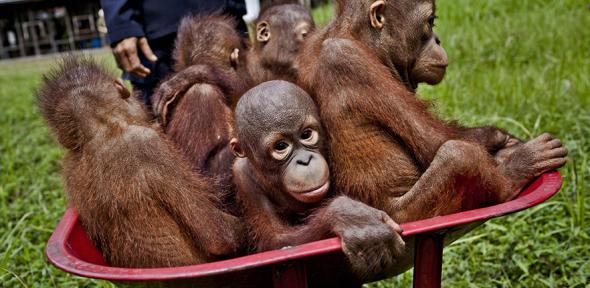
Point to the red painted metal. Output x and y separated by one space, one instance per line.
318 263
289 275
428 261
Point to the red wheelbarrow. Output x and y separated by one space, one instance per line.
316 264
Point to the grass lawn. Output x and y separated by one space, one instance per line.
521 65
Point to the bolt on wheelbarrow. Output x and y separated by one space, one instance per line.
316 264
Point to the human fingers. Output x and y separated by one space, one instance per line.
145 48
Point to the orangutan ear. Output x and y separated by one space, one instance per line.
236 148
263 32
234 58
123 91
376 14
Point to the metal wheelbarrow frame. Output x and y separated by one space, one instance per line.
318 264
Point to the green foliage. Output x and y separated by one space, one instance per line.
322 14
521 65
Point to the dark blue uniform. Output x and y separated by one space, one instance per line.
158 21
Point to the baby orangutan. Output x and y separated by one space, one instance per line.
193 105
283 183
387 148
138 199
281 29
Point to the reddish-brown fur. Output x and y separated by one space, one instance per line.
137 197
194 104
280 31
270 187
386 148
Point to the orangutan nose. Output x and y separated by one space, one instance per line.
304 162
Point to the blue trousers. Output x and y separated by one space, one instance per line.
162 47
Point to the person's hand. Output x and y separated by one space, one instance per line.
126 55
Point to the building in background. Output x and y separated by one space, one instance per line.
37 27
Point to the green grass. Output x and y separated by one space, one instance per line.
31 193
520 65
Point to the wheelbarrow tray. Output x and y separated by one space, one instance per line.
315 264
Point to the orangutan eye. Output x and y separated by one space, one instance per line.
306 134
281 145
309 137
281 150
431 20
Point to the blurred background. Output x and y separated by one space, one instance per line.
32 27
521 65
